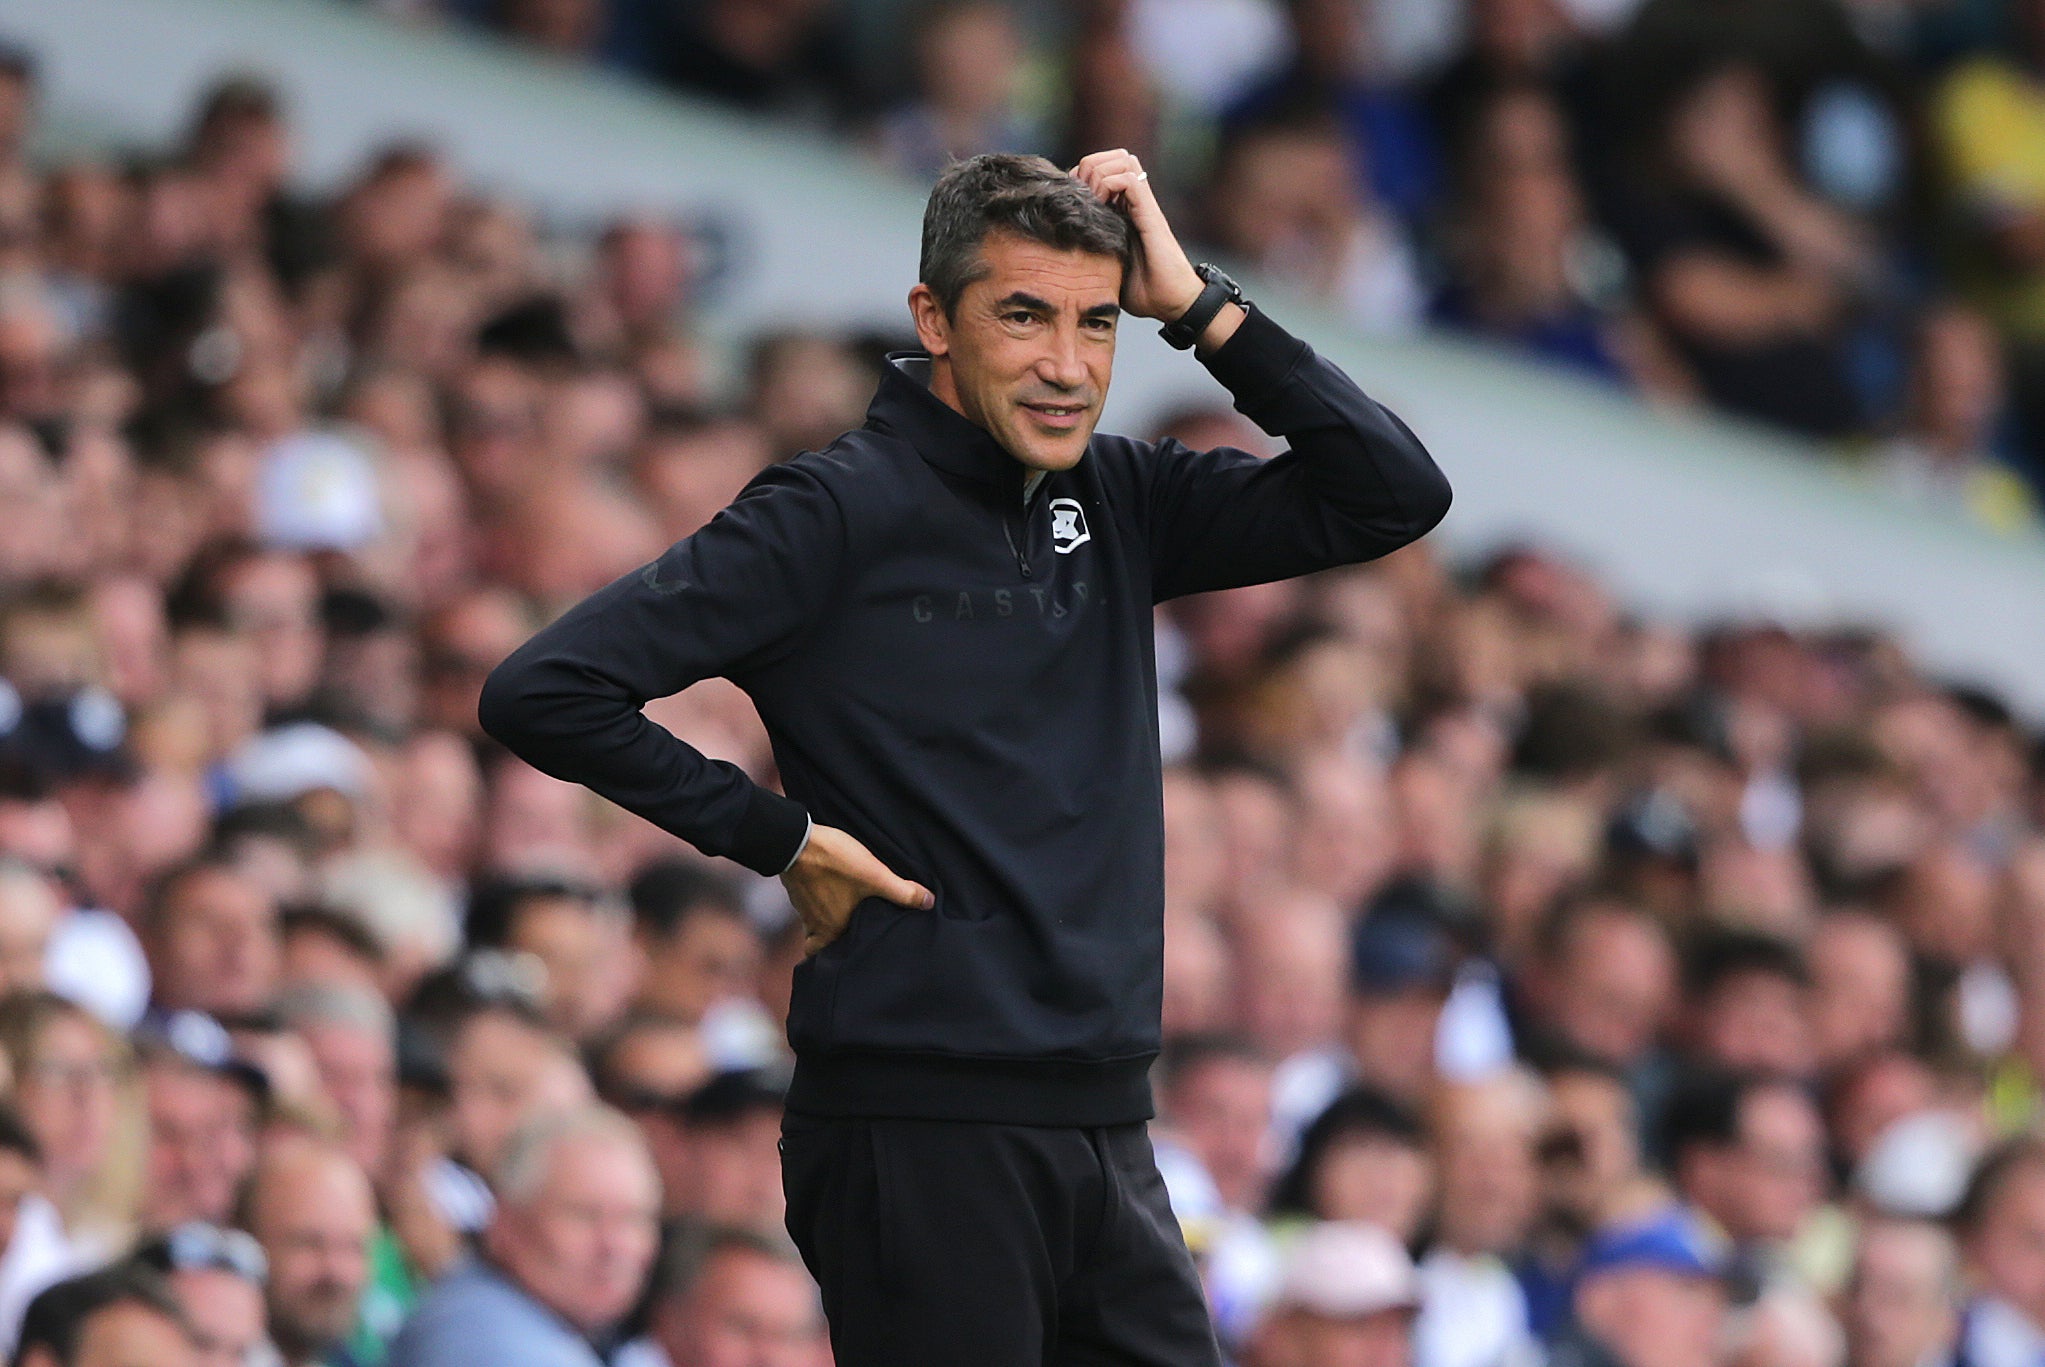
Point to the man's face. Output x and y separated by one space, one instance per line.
1778 1169
226 1314
215 945
745 1310
1615 988
1653 1317
500 1071
1899 1303
127 1334
358 1072
2007 1250
201 1144
710 956
1028 350
1222 1110
582 1243
1381 1340
314 1216
735 1165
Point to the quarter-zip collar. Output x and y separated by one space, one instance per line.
947 438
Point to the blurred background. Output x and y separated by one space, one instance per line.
1612 931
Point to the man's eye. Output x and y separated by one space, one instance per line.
1020 317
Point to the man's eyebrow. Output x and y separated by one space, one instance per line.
1019 299
1103 311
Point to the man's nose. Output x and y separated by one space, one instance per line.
1063 364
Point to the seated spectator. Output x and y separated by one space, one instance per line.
1602 981
1860 995
722 1297
1346 1295
1214 1114
731 1129
1747 1153
504 1066
568 1250
122 1315
760 56
70 1073
1947 452
968 59
352 1038
218 1277
1529 268
1650 1294
648 1068
34 1252
203 1105
1386 143
581 940
1753 278
1472 1310
1745 1004
692 931
1902 1299
1363 1159
2001 1227
1283 205
29 912
1402 965
211 935
313 1212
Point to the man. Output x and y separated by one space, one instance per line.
1650 1294
217 1276
563 1259
1901 1301
212 939
1749 1153
2001 1225
30 909
731 1173
505 1066
352 1037
944 621
1345 1299
120 1316
202 1106
695 940
311 1208
726 1297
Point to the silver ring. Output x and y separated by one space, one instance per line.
1143 175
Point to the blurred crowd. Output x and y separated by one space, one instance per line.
1542 982
1823 215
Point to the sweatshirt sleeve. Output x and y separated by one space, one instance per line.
1354 483
733 597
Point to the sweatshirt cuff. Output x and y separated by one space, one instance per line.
771 834
1256 360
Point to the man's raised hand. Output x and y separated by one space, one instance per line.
1162 283
834 874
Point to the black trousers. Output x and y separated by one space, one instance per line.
954 1244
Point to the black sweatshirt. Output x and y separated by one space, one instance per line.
964 680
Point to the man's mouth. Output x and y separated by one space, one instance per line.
1057 414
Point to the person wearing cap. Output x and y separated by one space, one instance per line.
217 1275
1650 1294
1346 1298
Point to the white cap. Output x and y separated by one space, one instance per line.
317 491
1919 1164
293 760
1347 1269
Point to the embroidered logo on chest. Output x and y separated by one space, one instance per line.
1068 526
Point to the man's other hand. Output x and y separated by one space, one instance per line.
834 874
1162 283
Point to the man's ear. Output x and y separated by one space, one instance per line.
933 329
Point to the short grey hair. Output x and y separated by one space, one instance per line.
1010 193
530 1153
343 1004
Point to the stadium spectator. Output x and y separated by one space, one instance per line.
1650 1294
203 1107
731 1129
569 1248
1749 1154
313 1212
1902 1305
1346 1296
968 58
120 1314
218 1277
725 1297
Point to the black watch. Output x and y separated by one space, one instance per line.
1186 329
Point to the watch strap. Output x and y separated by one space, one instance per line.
1183 331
